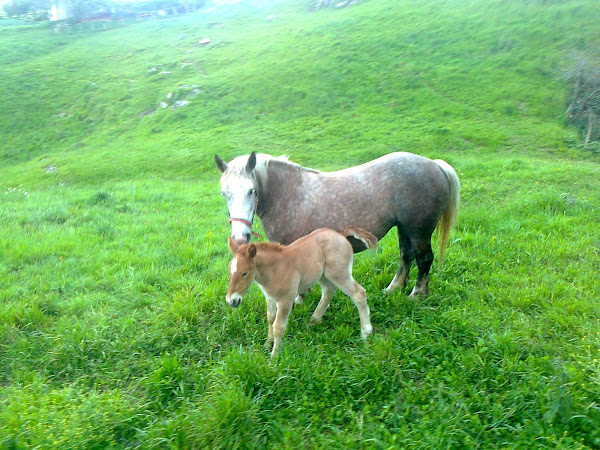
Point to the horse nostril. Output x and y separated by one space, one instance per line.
234 301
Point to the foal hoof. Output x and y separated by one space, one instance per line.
366 333
314 322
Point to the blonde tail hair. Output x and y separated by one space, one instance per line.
450 215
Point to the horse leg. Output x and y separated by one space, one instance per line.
327 291
284 306
357 293
406 258
424 256
300 297
271 314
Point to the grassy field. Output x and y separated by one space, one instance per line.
114 331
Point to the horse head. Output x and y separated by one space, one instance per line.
238 186
242 270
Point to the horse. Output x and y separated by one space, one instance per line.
403 190
324 256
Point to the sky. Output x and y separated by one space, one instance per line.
217 2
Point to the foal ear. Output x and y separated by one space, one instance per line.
251 162
252 251
233 246
221 165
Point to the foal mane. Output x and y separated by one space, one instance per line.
274 246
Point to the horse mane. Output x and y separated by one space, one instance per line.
237 167
274 246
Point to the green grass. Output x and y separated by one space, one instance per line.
114 331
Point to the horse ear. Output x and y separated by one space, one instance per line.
251 162
252 251
221 165
233 246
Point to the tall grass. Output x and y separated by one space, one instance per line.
114 331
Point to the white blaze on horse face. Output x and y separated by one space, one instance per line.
235 299
241 203
241 276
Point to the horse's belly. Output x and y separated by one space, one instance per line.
310 278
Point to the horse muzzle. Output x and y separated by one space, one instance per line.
242 240
235 300
241 230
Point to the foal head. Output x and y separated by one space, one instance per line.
239 189
242 270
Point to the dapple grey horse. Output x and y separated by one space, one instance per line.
403 190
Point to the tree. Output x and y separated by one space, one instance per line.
27 7
584 107
90 9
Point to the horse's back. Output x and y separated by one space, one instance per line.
397 162
397 189
322 241
320 238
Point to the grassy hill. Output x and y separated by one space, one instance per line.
114 331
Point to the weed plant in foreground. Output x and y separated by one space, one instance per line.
114 331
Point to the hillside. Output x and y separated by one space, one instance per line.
114 331
456 72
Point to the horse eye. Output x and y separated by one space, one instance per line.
245 274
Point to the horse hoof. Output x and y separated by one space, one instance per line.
314 322
417 295
365 334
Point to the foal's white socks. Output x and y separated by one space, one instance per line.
366 332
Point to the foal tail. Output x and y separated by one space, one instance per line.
450 214
368 239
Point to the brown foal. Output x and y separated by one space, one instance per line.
324 256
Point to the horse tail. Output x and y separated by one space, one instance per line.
450 214
368 239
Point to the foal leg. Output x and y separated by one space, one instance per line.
358 295
271 314
300 297
327 291
424 261
406 258
284 306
